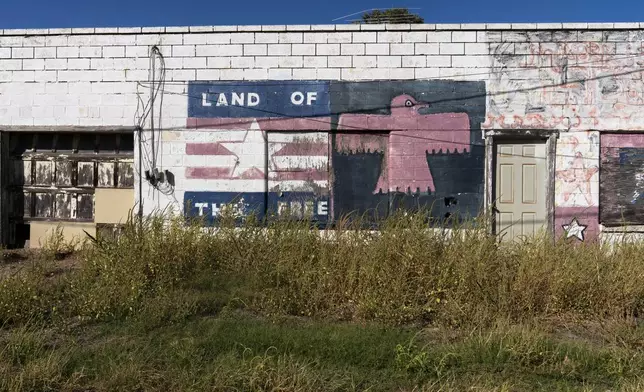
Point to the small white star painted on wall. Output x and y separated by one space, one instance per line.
574 229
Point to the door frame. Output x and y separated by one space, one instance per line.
492 139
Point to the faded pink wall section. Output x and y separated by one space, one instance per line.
577 183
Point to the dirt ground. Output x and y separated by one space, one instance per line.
13 261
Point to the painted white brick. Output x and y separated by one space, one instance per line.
5 53
365 74
218 38
208 74
339 61
280 74
189 51
291 38
303 49
593 36
328 49
402 73
439 61
266 38
5 76
45 76
279 49
315 38
242 62
377 49
42 53
22 53
119 75
55 64
390 36
514 36
365 37
78 64
464 36
304 74
267 62
389 61
439 36
414 61
34 41
397 49
470 61
329 73
82 40
352 49
130 51
476 48
155 39
10 65
242 38
327 27
365 62
219 50
173 62
183 74
136 75
414 36
195 39
80 76
99 64
291 62
339 38
33 64
113 51
255 74
489 36
452 48
315 62
194 62
255 50
425 49
426 73
124 40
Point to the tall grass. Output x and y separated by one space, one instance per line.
402 273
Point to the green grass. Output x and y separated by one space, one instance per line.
174 307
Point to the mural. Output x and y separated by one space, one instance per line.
622 179
566 85
577 184
325 149
256 148
415 144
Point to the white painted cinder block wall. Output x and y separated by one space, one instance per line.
98 76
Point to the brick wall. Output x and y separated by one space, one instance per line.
572 77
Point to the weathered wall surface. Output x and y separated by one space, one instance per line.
343 150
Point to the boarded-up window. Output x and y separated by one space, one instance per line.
621 184
53 176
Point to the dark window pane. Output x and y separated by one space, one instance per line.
43 205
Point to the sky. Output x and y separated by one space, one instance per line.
127 13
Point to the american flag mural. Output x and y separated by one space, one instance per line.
257 147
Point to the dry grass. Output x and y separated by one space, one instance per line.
404 308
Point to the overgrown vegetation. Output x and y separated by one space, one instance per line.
174 306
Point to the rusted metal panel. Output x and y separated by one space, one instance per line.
64 173
105 174
65 206
85 174
44 202
44 173
85 206
125 174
